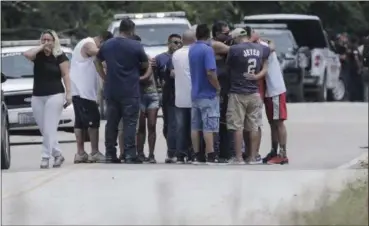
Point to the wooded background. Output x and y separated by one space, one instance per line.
25 20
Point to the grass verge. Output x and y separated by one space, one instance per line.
348 207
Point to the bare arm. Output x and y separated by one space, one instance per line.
31 53
263 71
219 47
213 79
90 49
100 68
172 73
147 74
64 67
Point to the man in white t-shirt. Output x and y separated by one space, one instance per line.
84 88
183 102
275 102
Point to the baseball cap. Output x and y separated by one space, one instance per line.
238 32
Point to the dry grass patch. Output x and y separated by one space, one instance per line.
348 207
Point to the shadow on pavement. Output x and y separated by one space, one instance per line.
38 142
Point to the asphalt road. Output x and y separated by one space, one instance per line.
321 137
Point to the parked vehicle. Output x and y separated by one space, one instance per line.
288 56
5 140
322 73
18 87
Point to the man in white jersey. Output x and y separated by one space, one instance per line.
183 102
84 88
275 107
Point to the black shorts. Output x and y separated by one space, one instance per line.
87 114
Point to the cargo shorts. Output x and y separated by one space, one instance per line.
205 115
244 112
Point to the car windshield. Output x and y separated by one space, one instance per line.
15 65
157 34
282 40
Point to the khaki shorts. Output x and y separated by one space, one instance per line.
244 112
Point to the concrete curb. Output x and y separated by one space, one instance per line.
362 157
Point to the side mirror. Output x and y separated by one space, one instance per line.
3 78
292 50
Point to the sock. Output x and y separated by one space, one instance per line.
282 150
274 147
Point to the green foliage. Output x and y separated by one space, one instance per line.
80 18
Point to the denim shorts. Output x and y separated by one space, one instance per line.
149 101
205 115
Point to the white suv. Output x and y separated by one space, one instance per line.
154 28
19 84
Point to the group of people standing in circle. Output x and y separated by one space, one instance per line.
212 96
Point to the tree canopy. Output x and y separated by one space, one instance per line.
25 20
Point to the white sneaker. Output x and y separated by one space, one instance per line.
44 163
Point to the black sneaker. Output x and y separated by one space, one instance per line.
142 157
196 159
136 160
151 159
269 156
211 158
223 160
112 159
181 159
122 157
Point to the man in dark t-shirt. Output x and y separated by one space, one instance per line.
247 62
124 58
162 72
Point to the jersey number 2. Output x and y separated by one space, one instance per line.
251 66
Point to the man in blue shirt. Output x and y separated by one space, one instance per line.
124 58
204 93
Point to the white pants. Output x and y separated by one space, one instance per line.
47 111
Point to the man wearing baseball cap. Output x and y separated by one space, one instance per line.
248 64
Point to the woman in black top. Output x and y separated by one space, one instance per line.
51 65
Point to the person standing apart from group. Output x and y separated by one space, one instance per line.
205 90
182 82
51 65
124 58
85 85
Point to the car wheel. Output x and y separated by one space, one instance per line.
5 144
338 93
299 93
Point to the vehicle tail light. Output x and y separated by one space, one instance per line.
317 60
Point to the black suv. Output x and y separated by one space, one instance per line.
5 141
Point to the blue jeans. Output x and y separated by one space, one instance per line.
183 135
171 130
205 115
128 110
